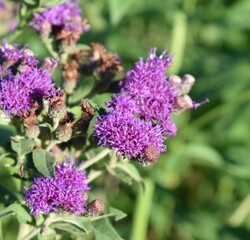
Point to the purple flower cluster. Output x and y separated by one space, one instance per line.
65 192
66 16
139 118
155 97
21 80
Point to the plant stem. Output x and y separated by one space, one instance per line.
97 158
142 211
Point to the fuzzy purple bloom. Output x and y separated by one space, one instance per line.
11 55
123 103
128 135
72 186
43 196
65 192
17 92
66 16
21 80
148 86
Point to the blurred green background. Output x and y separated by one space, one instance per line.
200 188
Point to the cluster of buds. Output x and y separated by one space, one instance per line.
184 85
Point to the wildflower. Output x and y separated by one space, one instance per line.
128 135
64 21
67 191
18 92
43 196
21 81
148 86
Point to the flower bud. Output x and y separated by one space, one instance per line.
151 153
187 83
49 64
183 103
174 80
64 132
32 132
57 108
95 208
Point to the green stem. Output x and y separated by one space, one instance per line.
52 144
45 224
97 158
48 44
142 211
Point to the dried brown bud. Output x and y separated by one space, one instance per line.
70 74
32 131
108 63
88 112
57 107
95 208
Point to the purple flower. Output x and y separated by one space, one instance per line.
17 92
67 191
123 102
128 135
43 196
148 86
72 186
21 80
66 16
10 54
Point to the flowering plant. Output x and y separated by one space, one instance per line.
51 131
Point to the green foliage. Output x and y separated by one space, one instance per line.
200 187
44 161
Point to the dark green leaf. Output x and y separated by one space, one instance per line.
22 146
104 230
44 162
6 196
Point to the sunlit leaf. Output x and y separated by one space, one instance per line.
44 161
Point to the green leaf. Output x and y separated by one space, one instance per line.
82 223
16 209
51 3
127 172
22 146
44 161
104 230
67 227
118 214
